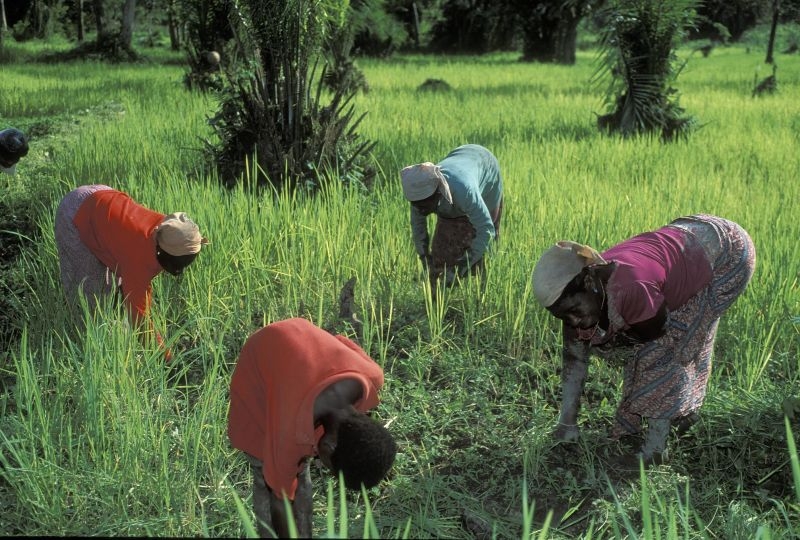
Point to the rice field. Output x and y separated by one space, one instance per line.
100 437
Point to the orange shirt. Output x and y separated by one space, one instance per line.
119 232
281 370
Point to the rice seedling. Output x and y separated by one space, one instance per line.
98 436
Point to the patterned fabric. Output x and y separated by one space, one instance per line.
80 269
453 237
476 187
667 377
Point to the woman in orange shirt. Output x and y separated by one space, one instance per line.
107 242
299 392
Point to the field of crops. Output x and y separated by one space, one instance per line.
99 437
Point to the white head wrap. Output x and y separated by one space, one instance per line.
178 235
558 266
422 180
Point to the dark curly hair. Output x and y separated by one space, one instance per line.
13 145
365 451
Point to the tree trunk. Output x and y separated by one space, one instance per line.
539 41
99 18
416 24
4 23
126 33
172 23
80 22
776 6
37 19
551 37
566 40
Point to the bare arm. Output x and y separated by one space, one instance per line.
419 232
575 362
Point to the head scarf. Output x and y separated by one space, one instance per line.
178 235
422 180
558 266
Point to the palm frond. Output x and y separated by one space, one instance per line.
637 55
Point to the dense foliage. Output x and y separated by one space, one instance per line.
275 123
639 61
99 437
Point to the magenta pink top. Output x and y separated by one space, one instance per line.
667 265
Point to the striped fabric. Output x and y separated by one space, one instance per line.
80 269
667 377
453 237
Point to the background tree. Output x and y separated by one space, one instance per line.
98 9
272 112
638 57
377 32
173 25
474 26
418 17
81 30
550 29
126 29
776 8
3 24
736 16
208 28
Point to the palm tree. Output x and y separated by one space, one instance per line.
638 61
276 111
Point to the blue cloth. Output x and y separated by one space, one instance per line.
473 174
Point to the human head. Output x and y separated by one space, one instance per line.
558 266
423 180
361 448
428 205
13 147
178 241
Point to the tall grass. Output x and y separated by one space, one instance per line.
98 436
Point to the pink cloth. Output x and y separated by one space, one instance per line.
666 265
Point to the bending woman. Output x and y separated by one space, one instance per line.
661 292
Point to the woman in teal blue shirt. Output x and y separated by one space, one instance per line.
465 191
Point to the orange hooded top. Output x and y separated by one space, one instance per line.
120 233
282 368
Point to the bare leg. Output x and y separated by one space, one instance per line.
261 500
302 503
655 440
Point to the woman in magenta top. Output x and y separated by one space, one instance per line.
660 293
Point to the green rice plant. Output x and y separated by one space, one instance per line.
99 436
793 457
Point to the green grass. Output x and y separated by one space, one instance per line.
99 437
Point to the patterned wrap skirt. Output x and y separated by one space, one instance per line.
80 269
452 238
667 377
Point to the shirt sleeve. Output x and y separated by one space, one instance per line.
419 231
137 299
640 301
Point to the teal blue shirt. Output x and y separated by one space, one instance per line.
473 174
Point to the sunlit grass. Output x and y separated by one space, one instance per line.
98 437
